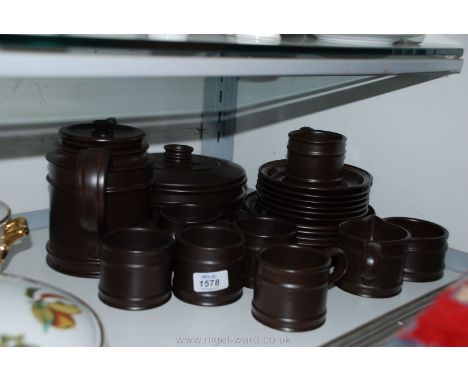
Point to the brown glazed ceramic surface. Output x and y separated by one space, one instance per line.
376 252
355 181
100 179
135 268
426 252
303 213
182 177
323 205
174 217
250 205
260 232
208 253
291 285
315 156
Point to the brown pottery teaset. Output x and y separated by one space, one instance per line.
153 225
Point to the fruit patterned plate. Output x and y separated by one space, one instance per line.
37 314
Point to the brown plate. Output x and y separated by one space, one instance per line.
312 195
294 214
320 202
300 212
354 180
316 209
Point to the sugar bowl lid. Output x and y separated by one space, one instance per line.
178 168
37 314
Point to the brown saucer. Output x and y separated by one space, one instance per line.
354 179
325 205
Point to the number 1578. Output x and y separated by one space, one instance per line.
209 283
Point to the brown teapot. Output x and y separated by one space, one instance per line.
100 178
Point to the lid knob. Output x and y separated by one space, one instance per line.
103 128
178 153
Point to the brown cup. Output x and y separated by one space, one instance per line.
174 217
427 247
208 266
135 268
376 252
260 232
291 285
315 156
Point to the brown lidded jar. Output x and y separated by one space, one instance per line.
183 177
100 179
208 267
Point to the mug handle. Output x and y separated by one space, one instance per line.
340 262
369 261
91 179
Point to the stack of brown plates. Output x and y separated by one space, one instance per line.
182 177
316 209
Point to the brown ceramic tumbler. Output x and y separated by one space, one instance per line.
291 285
208 266
426 253
260 232
315 156
135 268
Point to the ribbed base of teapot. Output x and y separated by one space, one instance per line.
71 266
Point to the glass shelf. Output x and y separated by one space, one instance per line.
220 55
245 45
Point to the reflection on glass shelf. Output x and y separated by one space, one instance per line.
255 92
302 45
41 101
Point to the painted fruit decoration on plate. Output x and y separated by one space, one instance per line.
34 313
52 309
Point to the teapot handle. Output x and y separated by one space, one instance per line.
91 179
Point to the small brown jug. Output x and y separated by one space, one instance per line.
101 178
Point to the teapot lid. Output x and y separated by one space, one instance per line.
105 132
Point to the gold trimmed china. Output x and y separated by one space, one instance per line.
11 230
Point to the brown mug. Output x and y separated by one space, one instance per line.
427 247
291 285
376 252
315 156
208 265
135 268
260 232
